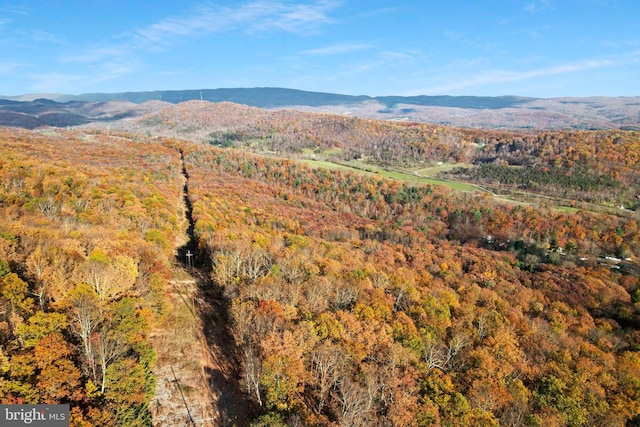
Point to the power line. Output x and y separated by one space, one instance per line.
181 394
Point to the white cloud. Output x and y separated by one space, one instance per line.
110 71
43 36
16 10
257 16
55 82
504 76
336 49
386 63
111 60
383 11
252 17
76 82
538 6
391 56
97 55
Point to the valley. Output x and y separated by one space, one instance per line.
236 266
323 213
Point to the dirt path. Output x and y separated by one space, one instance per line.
222 371
182 396
198 371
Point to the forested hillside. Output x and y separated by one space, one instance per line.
353 300
363 301
597 166
589 166
89 224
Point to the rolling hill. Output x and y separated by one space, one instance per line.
504 112
314 296
592 166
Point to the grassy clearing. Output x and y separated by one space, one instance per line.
392 174
321 155
434 170
329 165
455 185
427 176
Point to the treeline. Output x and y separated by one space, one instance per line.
429 212
577 183
535 177
600 166
86 242
612 155
362 301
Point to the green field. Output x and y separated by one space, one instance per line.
328 165
392 174
434 170
427 176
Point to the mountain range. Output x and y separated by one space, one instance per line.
268 97
503 112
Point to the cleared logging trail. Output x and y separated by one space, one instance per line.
222 369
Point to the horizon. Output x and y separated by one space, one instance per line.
55 95
525 48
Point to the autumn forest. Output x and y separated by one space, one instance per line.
215 264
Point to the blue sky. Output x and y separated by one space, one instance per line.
540 48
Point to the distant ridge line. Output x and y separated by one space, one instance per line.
478 112
273 97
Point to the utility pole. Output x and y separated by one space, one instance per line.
189 261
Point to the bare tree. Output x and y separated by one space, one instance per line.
326 366
354 404
86 316
439 356
252 372
37 263
256 264
108 346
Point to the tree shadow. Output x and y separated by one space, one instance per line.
223 370
224 375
